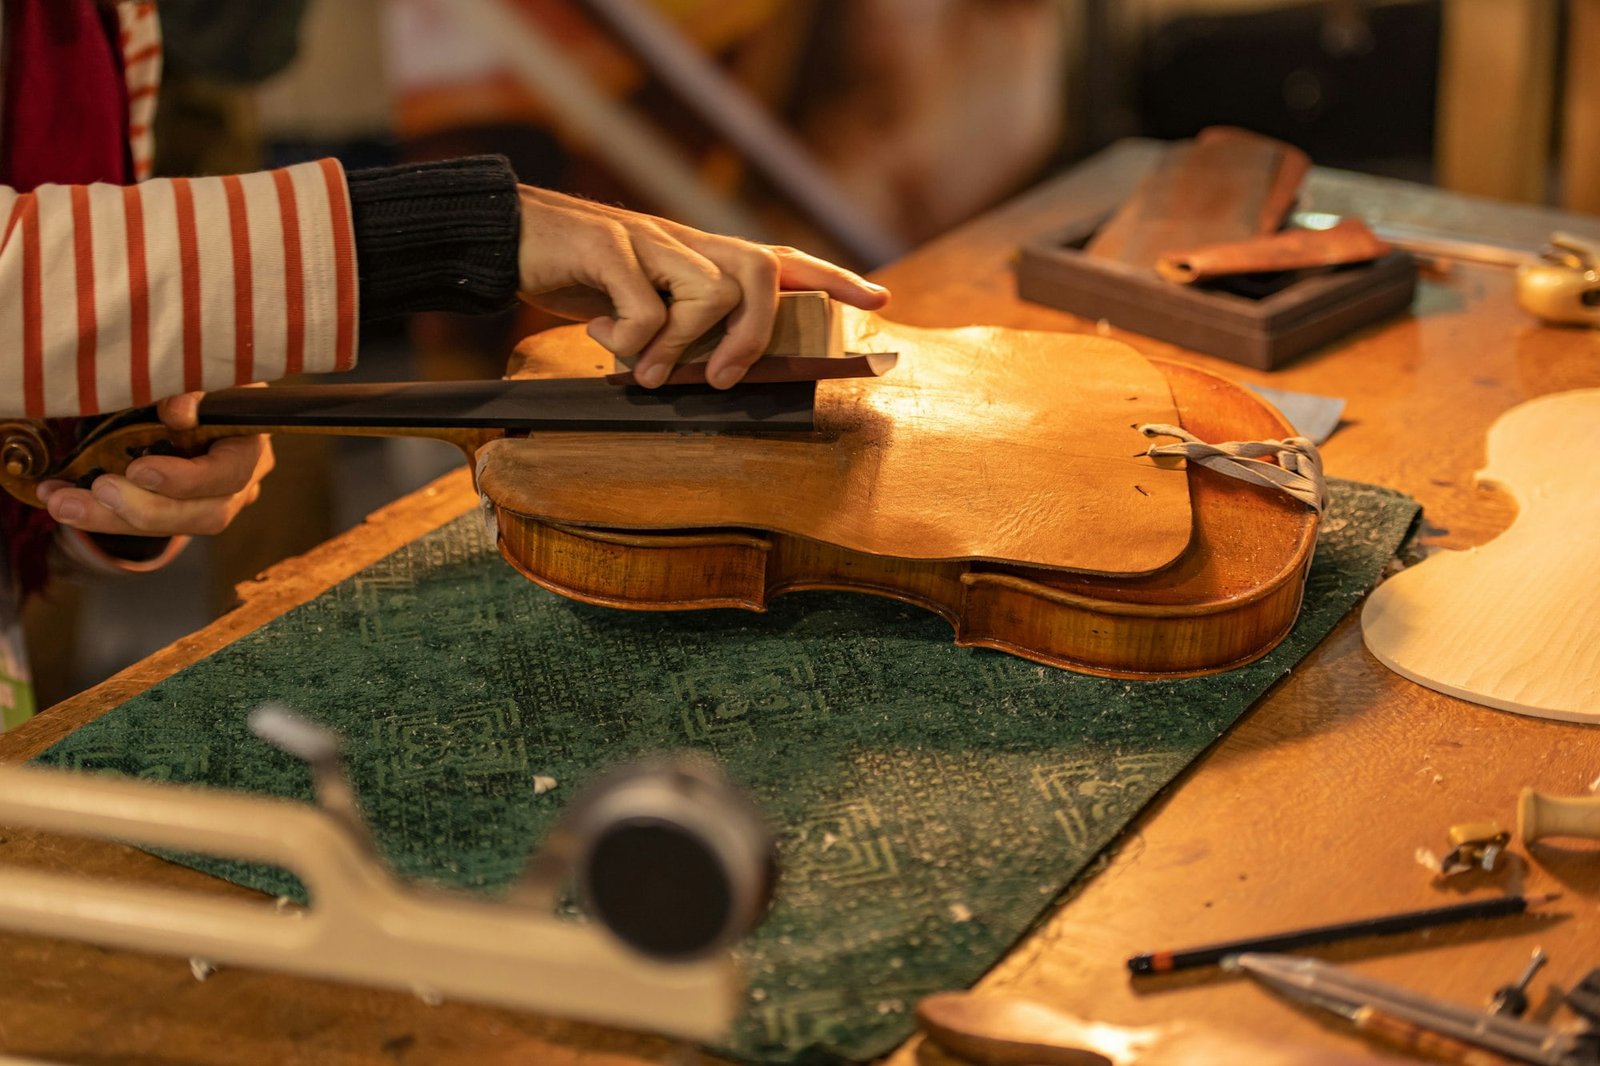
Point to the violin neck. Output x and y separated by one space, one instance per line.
572 404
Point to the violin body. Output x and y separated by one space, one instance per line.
996 477
1230 593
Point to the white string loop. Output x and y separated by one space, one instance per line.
1298 470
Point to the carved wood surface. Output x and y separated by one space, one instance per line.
1514 623
1229 598
981 444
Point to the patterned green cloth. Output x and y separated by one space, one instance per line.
931 801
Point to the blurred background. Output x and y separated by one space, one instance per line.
856 129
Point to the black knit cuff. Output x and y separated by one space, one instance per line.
436 236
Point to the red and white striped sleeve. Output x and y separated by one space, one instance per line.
114 297
139 28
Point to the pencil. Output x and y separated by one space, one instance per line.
1168 961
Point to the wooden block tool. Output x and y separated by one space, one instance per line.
807 345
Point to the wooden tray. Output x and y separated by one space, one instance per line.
1261 321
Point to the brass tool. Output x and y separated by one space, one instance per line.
1474 846
1563 287
1558 285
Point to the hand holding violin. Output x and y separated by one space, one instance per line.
168 495
648 286
584 260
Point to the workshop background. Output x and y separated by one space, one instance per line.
906 117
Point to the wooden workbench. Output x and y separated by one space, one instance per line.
1310 810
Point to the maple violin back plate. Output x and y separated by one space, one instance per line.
983 444
1514 623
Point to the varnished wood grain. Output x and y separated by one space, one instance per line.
997 445
1231 596
1308 811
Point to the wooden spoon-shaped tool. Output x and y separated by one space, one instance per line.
1012 1031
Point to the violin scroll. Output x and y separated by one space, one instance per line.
32 453
24 450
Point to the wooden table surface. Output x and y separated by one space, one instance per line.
1310 810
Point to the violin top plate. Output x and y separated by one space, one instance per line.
982 444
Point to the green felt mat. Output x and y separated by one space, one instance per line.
932 801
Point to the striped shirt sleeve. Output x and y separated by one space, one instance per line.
140 31
114 297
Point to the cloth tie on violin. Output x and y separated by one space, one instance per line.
1298 471
989 477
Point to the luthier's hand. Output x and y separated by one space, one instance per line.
166 495
583 260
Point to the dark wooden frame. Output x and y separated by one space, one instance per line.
1263 332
